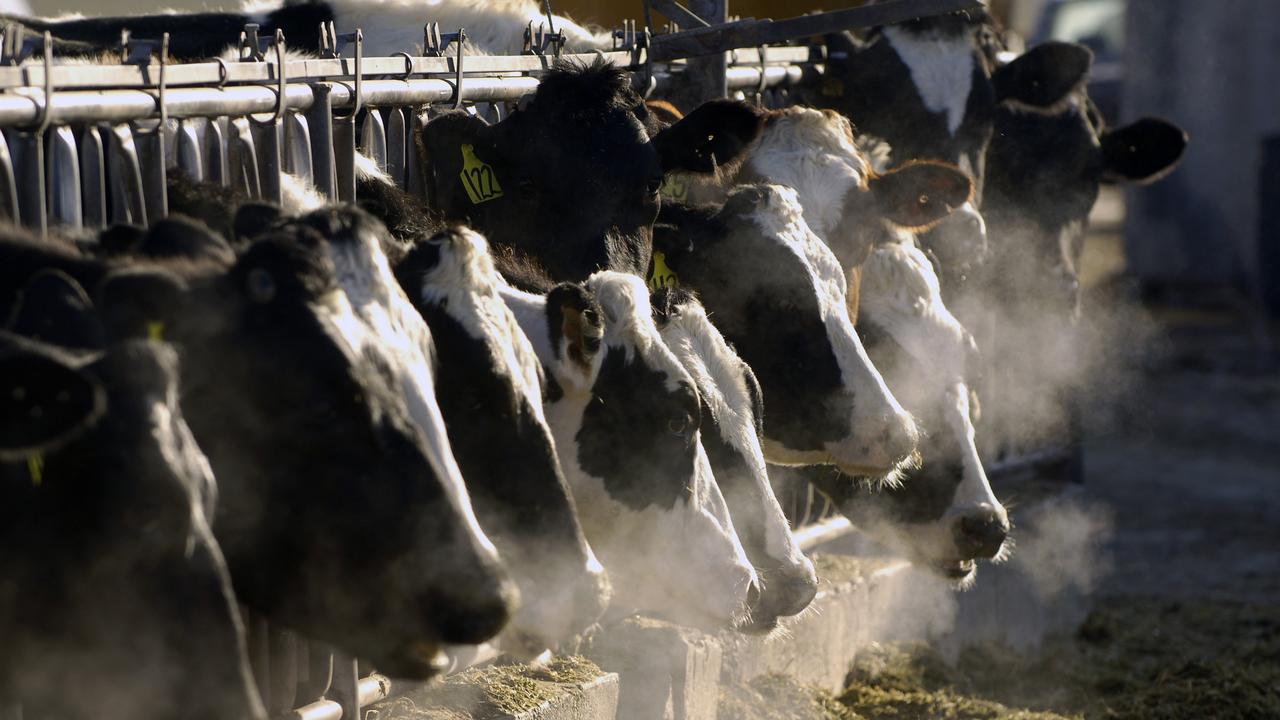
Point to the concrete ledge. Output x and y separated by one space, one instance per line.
507 692
667 672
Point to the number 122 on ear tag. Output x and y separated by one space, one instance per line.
478 177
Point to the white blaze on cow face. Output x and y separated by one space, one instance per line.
733 441
881 433
374 317
549 554
941 67
632 453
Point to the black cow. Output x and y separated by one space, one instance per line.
573 179
338 518
116 601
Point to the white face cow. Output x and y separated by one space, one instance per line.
490 389
945 514
733 410
778 294
626 417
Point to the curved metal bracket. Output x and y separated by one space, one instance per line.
358 101
457 75
44 112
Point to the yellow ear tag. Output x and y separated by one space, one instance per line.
155 330
478 177
35 468
663 276
674 187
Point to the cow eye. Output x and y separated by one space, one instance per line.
654 186
923 199
680 424
261 285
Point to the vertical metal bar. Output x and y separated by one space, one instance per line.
268 136
398 146
260 654
242 158
344 153
705 76
27 150
297 147
63 173
215 152
320 123
8 184
373 137
124 177
187 149
149 138
93 178
284 672
413 165
346 685
317 666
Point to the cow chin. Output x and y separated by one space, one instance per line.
417 661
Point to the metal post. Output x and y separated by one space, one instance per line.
63 168
399 145
27 150
8 184
187 149
344 153
267 137
346 685
284 672
297 148
149 138
320 123
215 152
373 137
124 177
242 158
413 166
704 77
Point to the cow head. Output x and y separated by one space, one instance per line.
732 414
1050 153
944 515
489 385
777 293
116 601
626 419
847 201
573 178
308 386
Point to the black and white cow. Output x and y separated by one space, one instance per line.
733 414
489 384
329 486
778 294
925 87
944 515
1050 153
573 179
116 601
627 418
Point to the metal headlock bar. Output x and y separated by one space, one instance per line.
89 145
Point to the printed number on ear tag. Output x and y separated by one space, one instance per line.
675 188
478 177
663 276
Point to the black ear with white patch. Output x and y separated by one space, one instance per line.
43 403
713 135
1143 151
458 153
576 326
55 309
1044 75
920 194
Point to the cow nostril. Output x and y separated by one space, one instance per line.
754 594
982 533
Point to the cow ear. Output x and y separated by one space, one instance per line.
577 330
713 135
1044 75
55 309
919 195
44 403
120 239
143 303
254 218
181 237
450 144
1142 152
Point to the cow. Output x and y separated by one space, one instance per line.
924 86
778 294
493 27
116 601
944 515
733 413
1051 152
329 488
573 179
490 384
627 418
